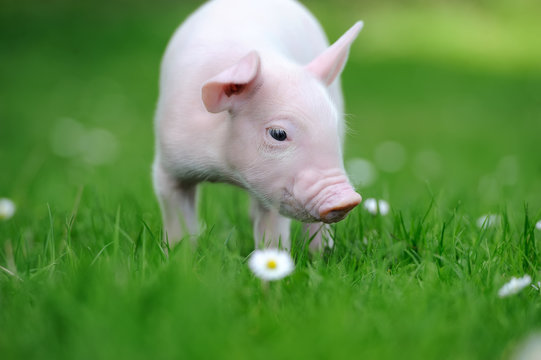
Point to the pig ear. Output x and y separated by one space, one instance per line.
330 63
220 92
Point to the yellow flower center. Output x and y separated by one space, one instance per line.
271 264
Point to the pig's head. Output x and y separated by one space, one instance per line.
284 131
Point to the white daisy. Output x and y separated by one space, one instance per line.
374 206
7 209
271 264
514 286
538 225
488 220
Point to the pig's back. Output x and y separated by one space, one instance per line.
282 26
220 32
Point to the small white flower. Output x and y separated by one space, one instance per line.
488 220
537 286
538 225
374 206
7 209
271 264
514 286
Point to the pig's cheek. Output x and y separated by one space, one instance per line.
280 166
277 152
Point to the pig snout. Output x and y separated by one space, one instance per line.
327 196
342 199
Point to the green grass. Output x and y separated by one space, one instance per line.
84 273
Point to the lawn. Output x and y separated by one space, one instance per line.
444 116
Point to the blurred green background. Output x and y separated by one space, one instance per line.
444 104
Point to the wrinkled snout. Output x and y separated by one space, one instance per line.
320 195
338 204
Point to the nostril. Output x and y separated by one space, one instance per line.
338 211
333 216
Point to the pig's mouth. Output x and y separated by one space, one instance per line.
291 207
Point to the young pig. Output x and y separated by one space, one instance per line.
250 95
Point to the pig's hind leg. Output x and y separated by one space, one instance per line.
178 205
320 235
271 230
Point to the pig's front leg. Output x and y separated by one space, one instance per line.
321 234
178 205
270 228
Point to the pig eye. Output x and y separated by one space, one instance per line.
278 134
